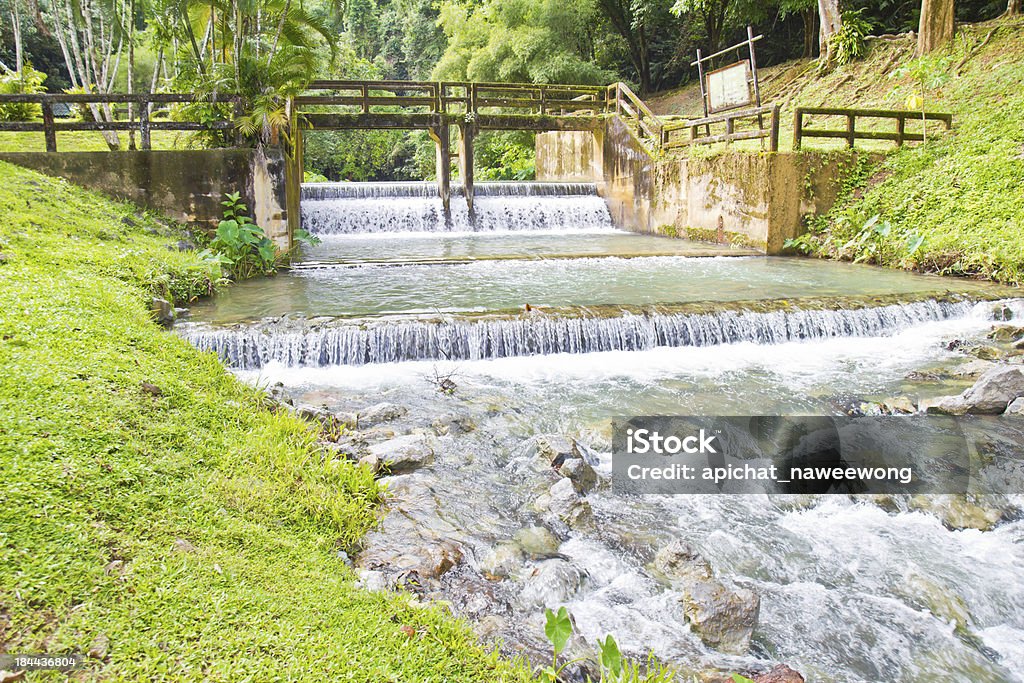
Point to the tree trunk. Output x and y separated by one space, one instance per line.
1013 7
19 58
831 21
810 17
131 69
937 23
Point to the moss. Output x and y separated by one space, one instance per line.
152 500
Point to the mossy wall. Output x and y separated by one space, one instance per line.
187 185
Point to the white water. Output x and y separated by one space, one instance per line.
368 208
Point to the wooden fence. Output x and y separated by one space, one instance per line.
673 137
850 132
141 119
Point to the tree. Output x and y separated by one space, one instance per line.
1013 7
808 11
632 27
712 15
937 25
831 22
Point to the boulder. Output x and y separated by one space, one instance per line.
1006 333
957 511
1016 407
990 395
972 369
329 423
565 504
556 449
380 412
502 561
984 352
537 541
679 561
552 582
723 617
162 311
405 453
453 424
582 475
899 405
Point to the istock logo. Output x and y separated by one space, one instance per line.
643 441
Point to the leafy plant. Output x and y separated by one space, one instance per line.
737 678
28 81
558 629
240 244
850 42
611 659
929 73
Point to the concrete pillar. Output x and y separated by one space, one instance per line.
467 133
442 147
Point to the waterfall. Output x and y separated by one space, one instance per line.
387 341
356 208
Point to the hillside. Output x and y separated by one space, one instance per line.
954 205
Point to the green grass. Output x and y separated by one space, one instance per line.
100 478
87 141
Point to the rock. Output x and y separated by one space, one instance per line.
780 673
566 505
551 583
502 561
182 313
537 541
405 453
371 461
556 449
723 617
995 390
279 394
451 424
680 561
1006 333
957 511
330 424
1016 407
582 475
984 352
899 405
371 580
380 412
162 311
942 601
972 369
990 395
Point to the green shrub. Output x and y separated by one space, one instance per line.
28 81
850 42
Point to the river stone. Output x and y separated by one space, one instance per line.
1006 333
556 449
1016 407
537 541
780 673
329 423
582 475
939 600
898 405
679 561
957 511
380 412
405 453
972 369
162 310
567 505
453 424
990 395
723 617
551 583
501 561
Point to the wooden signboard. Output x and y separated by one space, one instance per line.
730 87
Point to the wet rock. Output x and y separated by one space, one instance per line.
1016 407
162 311
582 475
380 412
564 503
405 453
1006 333
371 461
958 511
489 627
942 601
990 395
375 435
723 617
780 673
537 541
502 561
984 352
556 449
680 561
551 583
899 405
328 422
972 369
371 580
279 394
452 424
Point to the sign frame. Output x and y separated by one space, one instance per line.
720 75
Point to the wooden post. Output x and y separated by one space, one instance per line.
364 92
543 107
798 128
700 76
48 129
851 135
467 132
144 133
901 129
773 140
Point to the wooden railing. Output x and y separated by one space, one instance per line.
367 97
686 133
140 120
850 132
628 106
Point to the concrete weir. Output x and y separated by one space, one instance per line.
751 199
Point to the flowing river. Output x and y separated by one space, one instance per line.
545 320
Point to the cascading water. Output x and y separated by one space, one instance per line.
362 208
390 341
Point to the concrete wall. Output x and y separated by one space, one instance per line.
570 156
187 185
757 200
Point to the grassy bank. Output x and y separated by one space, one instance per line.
154 510
954 205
